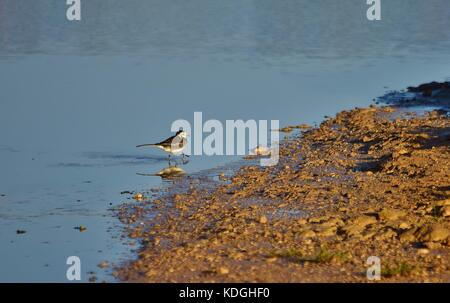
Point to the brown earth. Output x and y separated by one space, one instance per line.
369 182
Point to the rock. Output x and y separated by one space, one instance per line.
332 222
237 255
423 251
81 228
358 225
432 245
404 225
390 214
271 259
364 221
308 234
151 273
103 264
302 221
303 126
329 228
327 231
368 235
260 151
223 270
138 197
318 220
423 136
286 129
263 220
408 236
403 151
387 234
433 233
399 224
445 202
445 211
438 234
20 231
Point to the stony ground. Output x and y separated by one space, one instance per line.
369 182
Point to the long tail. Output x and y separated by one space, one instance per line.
141 174
150 144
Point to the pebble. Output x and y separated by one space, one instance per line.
302 221
263 220
138 196
404 225
308 234
271 260
81 228
103 264
423 251
224 271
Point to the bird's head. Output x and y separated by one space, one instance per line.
181 133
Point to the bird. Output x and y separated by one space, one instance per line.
168 173
173 145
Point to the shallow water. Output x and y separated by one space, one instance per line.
76 97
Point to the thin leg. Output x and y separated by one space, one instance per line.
183 159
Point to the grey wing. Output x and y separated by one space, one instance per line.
167 142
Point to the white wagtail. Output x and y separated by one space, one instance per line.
173 145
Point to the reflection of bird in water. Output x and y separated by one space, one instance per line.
169 173
173 145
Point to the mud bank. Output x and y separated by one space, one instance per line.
368 182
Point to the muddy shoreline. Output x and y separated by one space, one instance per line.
367 182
